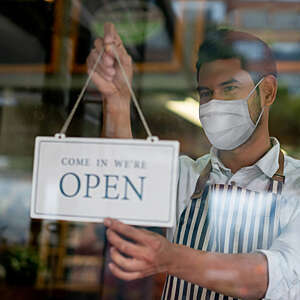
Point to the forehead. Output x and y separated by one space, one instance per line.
221 70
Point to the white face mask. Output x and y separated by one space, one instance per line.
227 123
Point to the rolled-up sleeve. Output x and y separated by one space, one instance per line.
284 263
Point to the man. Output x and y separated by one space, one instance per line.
239 206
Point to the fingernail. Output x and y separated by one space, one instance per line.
107 222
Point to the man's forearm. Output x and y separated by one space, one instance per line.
239 275
116 118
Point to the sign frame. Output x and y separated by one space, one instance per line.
151 142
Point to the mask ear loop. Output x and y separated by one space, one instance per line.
263 108
260 115
252 91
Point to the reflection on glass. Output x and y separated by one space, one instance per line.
43 51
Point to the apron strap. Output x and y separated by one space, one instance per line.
278 177
201 182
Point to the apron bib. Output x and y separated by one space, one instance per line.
226 219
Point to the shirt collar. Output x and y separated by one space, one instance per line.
268 164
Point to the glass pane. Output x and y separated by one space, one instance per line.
254 19
284 20
286 51
235 103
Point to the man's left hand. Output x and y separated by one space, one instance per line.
146 254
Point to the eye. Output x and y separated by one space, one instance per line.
230 88
204 94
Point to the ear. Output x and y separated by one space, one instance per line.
268 90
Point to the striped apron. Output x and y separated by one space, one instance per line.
226 219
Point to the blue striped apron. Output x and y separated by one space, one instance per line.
226 219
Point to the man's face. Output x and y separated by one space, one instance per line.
224 79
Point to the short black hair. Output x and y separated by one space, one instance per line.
255 55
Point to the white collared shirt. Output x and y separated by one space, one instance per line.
284 255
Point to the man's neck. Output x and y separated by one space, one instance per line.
247 154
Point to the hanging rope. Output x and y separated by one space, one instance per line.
136 103
71 115
127 81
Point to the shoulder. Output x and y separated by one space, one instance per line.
290 201
292 172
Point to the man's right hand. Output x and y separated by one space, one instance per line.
109 80
108 76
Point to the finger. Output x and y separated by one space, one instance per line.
123 274
128 264
138 235
109 72
113 39
100 77
92 58
124 246
106 59
98 74
111 35
99 44
104 68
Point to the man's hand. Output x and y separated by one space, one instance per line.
148 253
241 275
109 80
108 76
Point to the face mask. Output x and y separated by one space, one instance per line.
227 123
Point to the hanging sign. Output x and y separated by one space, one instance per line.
88 179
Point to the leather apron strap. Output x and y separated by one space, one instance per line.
201 182
278 176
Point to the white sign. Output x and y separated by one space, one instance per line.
88 179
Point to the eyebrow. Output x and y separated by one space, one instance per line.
232 80
202 88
